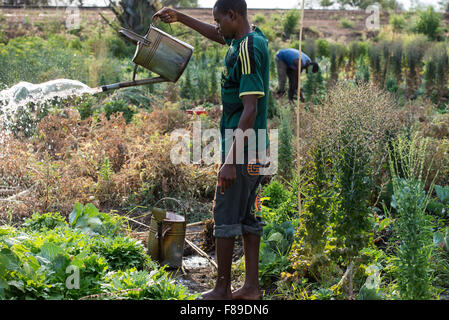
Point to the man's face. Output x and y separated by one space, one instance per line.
225 23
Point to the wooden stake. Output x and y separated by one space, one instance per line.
299 109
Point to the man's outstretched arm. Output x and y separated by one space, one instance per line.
169 15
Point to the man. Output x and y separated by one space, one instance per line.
287 63
244 91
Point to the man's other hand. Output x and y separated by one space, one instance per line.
227 176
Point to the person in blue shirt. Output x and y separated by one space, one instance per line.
287 63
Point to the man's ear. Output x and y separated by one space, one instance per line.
232 15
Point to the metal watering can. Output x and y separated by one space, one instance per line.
166 235
158 52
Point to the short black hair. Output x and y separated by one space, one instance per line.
238 6
315 67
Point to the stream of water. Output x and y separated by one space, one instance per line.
19 95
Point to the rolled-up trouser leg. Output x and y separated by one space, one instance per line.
233 208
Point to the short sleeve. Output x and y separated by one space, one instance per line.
251 55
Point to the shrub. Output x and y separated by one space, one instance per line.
412 227
276 194
122 253
397 22
346 23
323 48
290 22
429 23
414 53
91 221
436 72
46 221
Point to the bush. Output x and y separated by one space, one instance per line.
429 23
412 227
346 23
290 22
46 221
276 194
122 253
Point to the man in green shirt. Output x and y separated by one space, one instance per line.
244 91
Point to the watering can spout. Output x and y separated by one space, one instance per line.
125 84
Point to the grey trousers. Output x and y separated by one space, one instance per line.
281 68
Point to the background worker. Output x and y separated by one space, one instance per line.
287 63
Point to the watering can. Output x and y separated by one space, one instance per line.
158 52
166 236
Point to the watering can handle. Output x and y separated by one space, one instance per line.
175 200
134 37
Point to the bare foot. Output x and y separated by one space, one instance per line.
246 293
216 295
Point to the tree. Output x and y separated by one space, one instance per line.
326 3
429 23
137 15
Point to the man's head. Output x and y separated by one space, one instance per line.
229 15
315 67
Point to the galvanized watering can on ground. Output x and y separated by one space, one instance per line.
158 52
166 236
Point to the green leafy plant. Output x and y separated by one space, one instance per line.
91 221
122 253
275 245
412 225
46 221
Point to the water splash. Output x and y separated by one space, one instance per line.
17 97
24 92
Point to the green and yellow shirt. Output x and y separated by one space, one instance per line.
246 71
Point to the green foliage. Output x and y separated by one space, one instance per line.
67 263
315 87
346 23
371 288
317 204
440 205
46 221
429 23
323 48
397 22
139 285
275 194
436 72
353 219
290 22
412 226
275 245
122 253
91 221
285 162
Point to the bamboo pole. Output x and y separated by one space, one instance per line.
298 110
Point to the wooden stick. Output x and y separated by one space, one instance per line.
12 198
298 112
195 224
142 224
